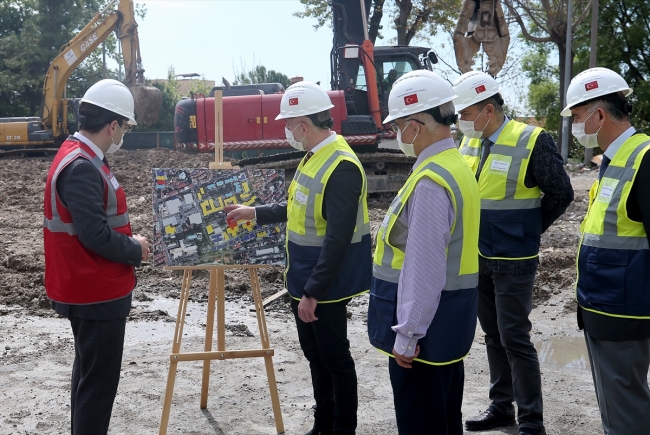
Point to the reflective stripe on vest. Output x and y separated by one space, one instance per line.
614 255
306 226
75 274
388 260
455 320
503 190
56 225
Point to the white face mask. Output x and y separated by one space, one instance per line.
584 139
115 146
407 148
292 141
467 127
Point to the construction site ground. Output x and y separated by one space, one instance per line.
36 346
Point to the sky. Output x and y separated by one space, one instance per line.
214 38
217 38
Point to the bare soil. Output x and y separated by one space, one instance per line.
36 349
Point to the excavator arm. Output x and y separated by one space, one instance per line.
147 99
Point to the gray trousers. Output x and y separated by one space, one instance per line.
620 372
504 303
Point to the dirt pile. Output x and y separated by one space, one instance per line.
21 255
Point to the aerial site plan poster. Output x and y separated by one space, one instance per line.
190 225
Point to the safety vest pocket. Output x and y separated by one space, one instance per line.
381 307
604 276
507 237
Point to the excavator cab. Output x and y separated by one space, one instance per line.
391 62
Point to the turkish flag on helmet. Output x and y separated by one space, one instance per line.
293 101
480 89
591 86
411 99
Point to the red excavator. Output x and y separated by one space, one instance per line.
361 78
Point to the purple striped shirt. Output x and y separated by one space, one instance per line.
422 231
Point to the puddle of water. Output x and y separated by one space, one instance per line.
568 352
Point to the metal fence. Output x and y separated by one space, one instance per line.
148 140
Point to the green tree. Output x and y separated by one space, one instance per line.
170 96
412 19
623 34
545 21
259 74
32 33
543 96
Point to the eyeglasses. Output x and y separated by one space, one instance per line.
126 128
395 127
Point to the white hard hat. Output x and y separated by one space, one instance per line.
474 87
418 73
416 92
302 99
113 96
592 83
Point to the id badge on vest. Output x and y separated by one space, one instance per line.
301 197
500 165
113 180
607 189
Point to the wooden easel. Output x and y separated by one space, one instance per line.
218 135
217 298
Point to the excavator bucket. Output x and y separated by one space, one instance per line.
148 101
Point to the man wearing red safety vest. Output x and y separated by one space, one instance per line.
90 251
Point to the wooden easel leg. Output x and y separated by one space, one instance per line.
176 347
209 331
268 360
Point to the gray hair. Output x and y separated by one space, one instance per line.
614 112
446 109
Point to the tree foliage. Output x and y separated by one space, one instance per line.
412 19
623 33
259 74
32 33
543 95
170 96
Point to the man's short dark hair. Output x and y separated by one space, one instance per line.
495 100
322 119
616 105
94 118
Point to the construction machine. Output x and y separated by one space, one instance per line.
59 115
361 79
481 23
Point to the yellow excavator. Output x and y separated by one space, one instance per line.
59 115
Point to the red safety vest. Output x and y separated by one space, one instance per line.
73 273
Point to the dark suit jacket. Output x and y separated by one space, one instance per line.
614 328
340 203
81 189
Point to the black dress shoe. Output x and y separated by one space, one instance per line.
488 420
315 431
527 431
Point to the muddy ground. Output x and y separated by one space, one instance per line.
36 348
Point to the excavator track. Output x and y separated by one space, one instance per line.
386 169
28 152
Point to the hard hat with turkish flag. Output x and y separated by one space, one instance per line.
417 92
594 83
474 87
302 99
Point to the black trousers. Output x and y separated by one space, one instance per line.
428 398
98 346
333 375
504 303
